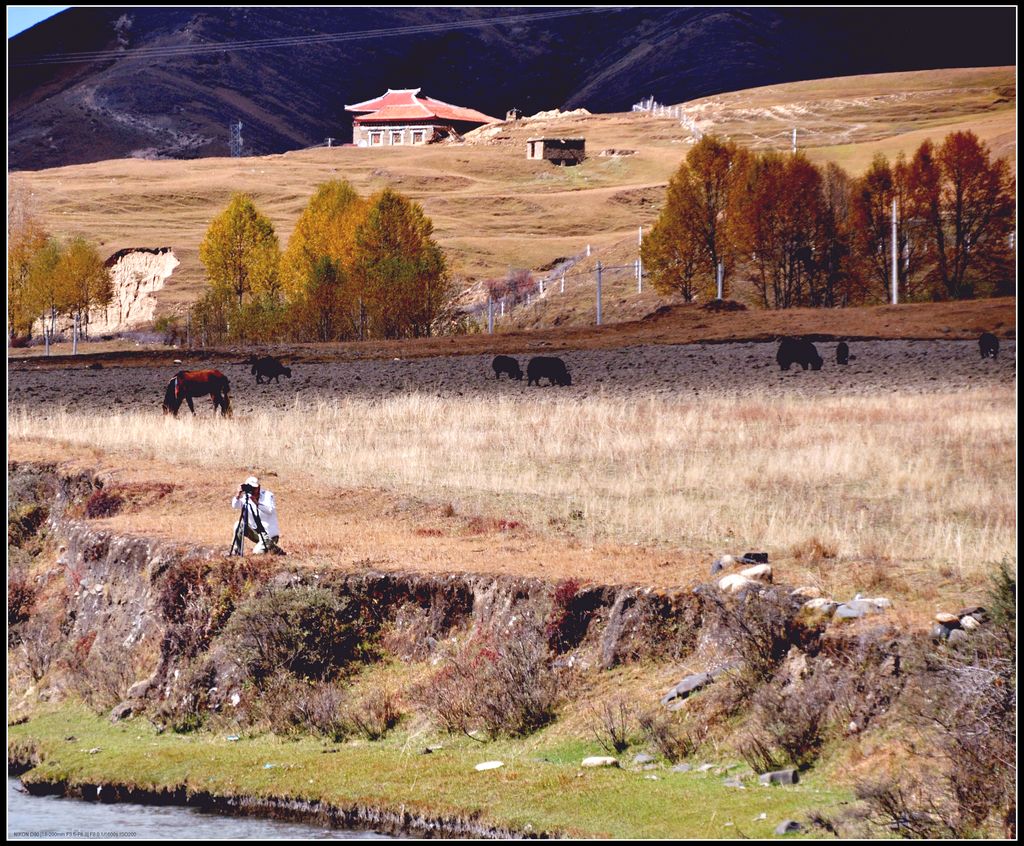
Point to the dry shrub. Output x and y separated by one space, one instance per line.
897 805
307 631
758 754
757 626
102 503
319 708
417 626
812 550
880 576
21 596
501 682
674 737
490 525
97 550
793 719
100 673
38 644
24 521
288 705
376 714
964 703
613 723
853 680
565 625
188 707
723 305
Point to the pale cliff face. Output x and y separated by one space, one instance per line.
137 276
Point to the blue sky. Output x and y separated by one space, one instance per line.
22 17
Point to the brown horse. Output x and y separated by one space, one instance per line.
197 383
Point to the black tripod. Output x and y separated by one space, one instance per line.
242 529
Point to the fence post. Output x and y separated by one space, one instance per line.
74 336
721 278
490 315
502 307
588 250
46 336
562 290
599 293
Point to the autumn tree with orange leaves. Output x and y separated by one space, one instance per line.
691 237
966 201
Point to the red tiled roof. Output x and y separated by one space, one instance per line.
405 105
399 97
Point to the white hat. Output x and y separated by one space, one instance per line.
252 480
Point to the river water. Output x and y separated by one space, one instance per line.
55 818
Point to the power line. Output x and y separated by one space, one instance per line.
296 41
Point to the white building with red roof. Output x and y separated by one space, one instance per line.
403 117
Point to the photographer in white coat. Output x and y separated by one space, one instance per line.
262 505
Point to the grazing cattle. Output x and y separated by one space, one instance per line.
269 368
843 354
506 364
989 345
187 384
549 367
798 351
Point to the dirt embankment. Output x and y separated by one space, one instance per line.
667 325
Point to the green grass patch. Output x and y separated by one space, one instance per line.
540 785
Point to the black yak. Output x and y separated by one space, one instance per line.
989 345
506 364
798 351
269 368
843 354
549 367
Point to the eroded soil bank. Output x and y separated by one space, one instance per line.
148 632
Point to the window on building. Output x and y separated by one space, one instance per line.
396 136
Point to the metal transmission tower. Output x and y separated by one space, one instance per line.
236 139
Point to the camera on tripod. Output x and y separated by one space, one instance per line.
248 489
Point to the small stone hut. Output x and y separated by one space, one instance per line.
562 151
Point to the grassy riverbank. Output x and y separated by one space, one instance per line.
540 788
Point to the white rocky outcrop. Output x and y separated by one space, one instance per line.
137 275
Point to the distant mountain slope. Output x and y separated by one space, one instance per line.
157 86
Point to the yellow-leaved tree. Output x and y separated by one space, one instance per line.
84 278
26 237
316 266
242 258
398 268
45 294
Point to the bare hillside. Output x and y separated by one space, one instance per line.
492 208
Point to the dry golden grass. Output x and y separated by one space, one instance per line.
491 207
910 495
